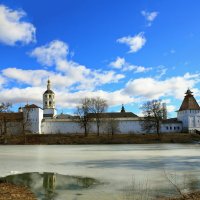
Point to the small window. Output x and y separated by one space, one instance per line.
170 128
174 128
167 127
49 96
178 127
45 103
49 102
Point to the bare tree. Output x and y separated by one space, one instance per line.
26 122
82 112
5 107
153 111
112 126
98 106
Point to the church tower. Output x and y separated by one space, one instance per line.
49 102
189 113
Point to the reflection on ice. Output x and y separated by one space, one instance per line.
47 186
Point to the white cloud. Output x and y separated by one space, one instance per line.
51 53
64 99
36 78
13 29
149 16
135 91
136 68
135 43
22 95
78 76
151 88
2 81
120 63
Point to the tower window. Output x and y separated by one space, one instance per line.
45 103
49 96
49 102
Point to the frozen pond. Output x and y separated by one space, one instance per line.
114 171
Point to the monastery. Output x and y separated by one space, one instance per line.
46 121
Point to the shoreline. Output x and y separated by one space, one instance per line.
72 139
10 191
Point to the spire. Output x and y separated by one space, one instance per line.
123 109
189 102
48 85
188 92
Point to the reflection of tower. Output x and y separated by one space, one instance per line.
49 181
49 102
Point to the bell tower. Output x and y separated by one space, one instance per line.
189 113
49 102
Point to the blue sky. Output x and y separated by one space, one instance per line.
126 51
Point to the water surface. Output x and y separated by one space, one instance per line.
121 169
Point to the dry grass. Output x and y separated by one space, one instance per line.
13 192
103 139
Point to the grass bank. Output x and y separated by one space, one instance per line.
14 192
102 139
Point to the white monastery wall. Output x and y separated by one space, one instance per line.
171 127
190 119
56 126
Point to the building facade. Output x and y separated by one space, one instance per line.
45 120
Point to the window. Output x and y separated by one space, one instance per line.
49 102
45 103
167 127
49 96
170 128
174 128
178 127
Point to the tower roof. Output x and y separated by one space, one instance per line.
48 91
189 102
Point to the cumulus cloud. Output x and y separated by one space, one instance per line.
64 99
66 76
2 81
13 28
22 95
135 42
51 53
78 76
120 63
151 88
149 16
36 78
